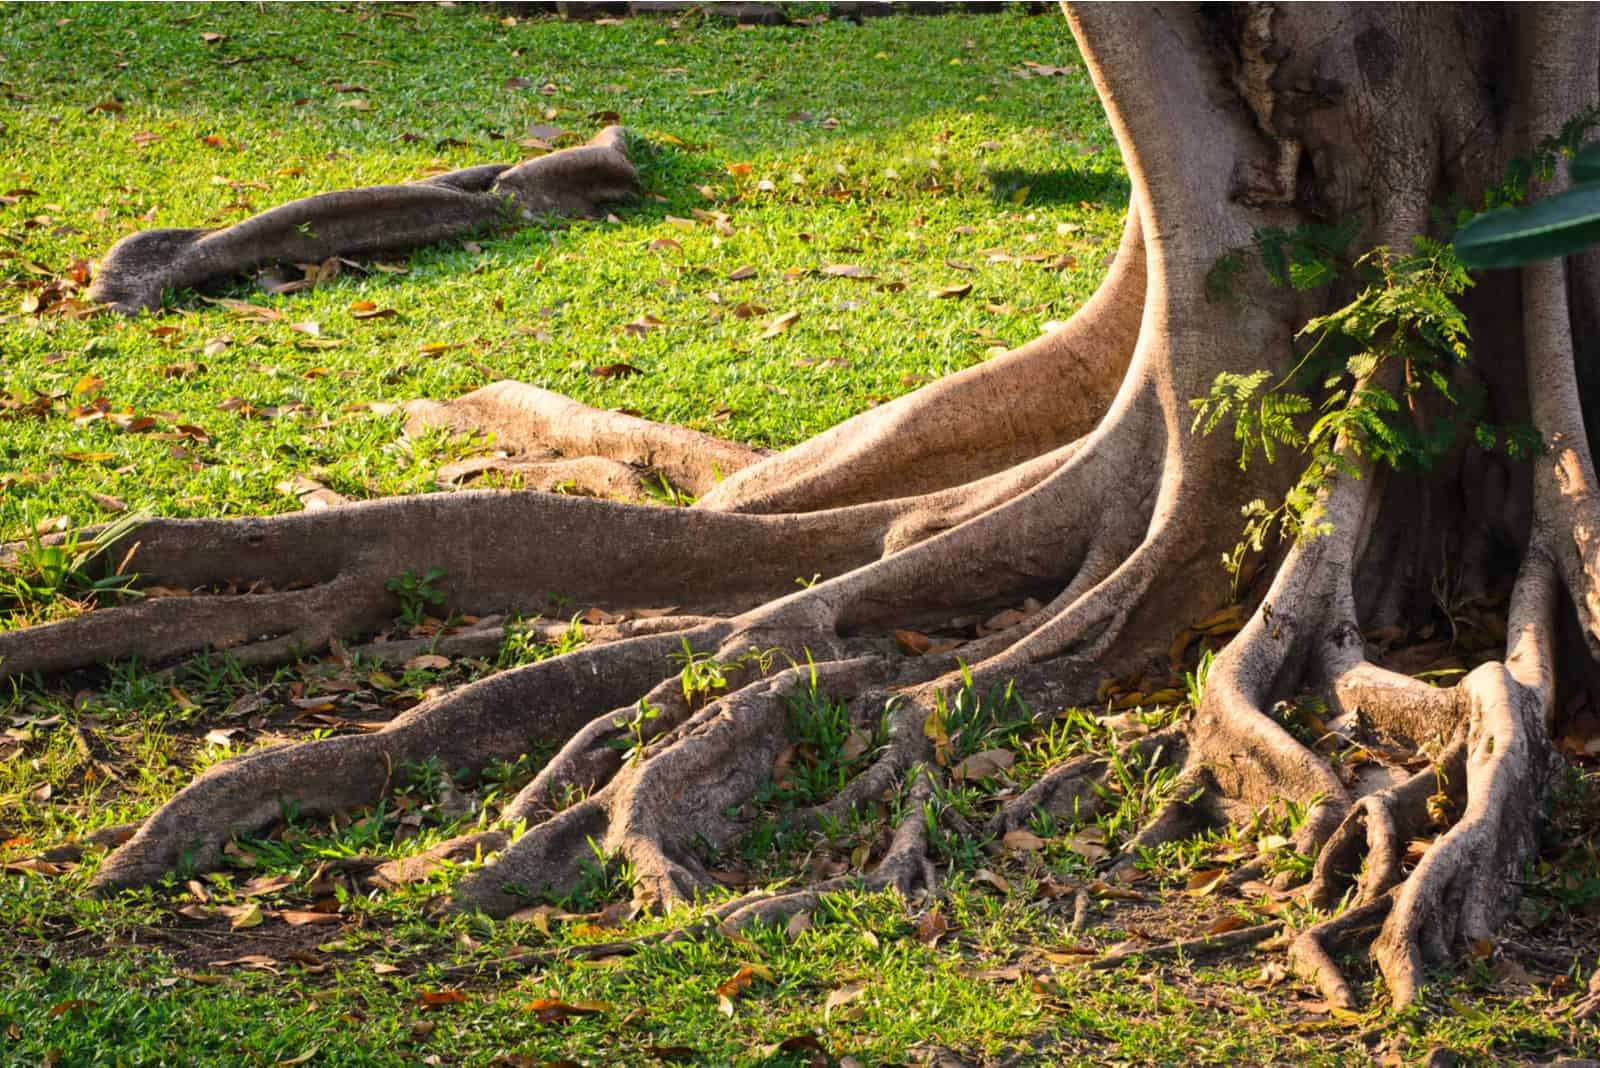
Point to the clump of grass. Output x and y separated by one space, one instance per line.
48 579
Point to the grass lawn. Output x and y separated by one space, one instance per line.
926 152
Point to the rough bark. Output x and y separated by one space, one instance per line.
1064 472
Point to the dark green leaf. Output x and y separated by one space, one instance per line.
1555 226
1585 166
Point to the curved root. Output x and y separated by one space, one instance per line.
1311 953
375 220
536 424
488 720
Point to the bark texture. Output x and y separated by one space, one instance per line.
1062 477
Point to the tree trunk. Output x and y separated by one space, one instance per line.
1063 476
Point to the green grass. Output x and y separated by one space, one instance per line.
923 150
935 139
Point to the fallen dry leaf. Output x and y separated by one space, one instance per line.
551 1010
780 324
982 765
616 370
843 996
991 880
932 927
242 918
1022 839
303 918
742 979
1203 882
249 960
912 642
438 999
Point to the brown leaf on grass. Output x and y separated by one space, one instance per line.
1046 70
304 918
843 996
109 503
950 292
439 999
1089 843
220 735
213 38
663 243
242 917
982 765
313 495
1230 922
537 915
781 324
932 927
262 885
366 309
255 961
740 274
545 132
642 325
846 270
672 1053
243 309
427 662
553 1011
816 1053
991 880
746 310
1204 882
741 980
34 866
1023 840
616 370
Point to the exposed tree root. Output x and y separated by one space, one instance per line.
535 423
1062 476
1369 848
1311 953
1209 945
376 220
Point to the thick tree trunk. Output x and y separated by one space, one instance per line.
1063 476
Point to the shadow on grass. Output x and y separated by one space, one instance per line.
1057 186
